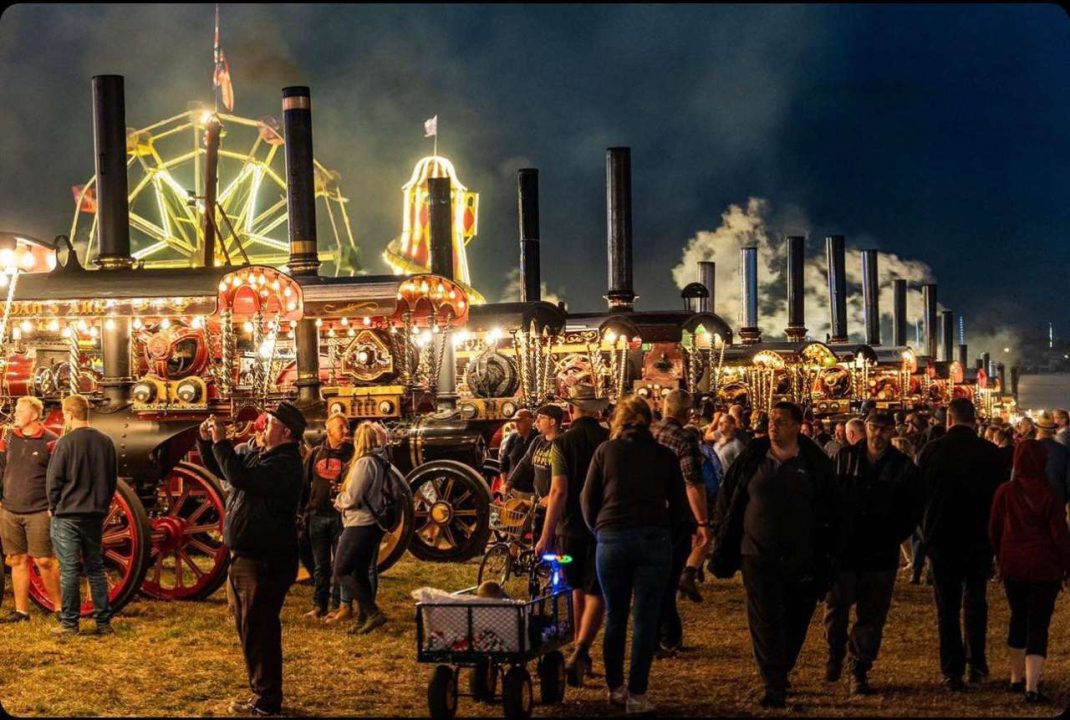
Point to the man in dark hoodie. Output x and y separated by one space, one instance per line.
81 481
878 505
774 519
325 468
960 473
260 528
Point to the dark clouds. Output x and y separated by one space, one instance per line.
935 132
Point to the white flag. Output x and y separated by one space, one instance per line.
431 127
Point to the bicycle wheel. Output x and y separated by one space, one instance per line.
496 563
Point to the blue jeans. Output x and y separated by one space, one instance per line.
78 546
638 561
323 533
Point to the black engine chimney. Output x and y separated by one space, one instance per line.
707 275
964 357
835 253
871 308
528 201
440 218
621 296
796 330
947 326
928 299
749 332
899 313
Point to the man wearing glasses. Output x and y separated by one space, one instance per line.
878 504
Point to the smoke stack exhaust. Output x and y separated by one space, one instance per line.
871 297
300 180
928 299
836 256
528 205
748 267
947 325
440 218
796 330
707 275
964 357
109 136
899 313
621 296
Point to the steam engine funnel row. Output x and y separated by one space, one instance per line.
871 309
928 299
796 329
528 205
899 313
947 320
440 218
620 296
748 266
835 252
707 276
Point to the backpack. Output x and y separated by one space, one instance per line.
388 513
712 470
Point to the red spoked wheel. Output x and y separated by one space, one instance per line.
188 560
451 504
126 544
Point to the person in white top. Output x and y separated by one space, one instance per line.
729 447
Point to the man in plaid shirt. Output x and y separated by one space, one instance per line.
671 433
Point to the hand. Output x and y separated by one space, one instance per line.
702 538
203 430
545 545
217 430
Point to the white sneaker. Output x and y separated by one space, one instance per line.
638 705
619 696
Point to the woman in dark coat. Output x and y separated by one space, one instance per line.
1032 545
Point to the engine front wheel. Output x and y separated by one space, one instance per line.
451 507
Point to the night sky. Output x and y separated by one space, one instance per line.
937 133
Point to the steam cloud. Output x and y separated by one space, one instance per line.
511 291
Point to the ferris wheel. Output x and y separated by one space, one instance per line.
166 174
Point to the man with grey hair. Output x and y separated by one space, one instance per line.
855 430
671 433
1062 423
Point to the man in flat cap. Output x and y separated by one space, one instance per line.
260 529
878 500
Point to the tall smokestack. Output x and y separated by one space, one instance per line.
528 203
113 222
928 299
947 326
871 290
707 275
748 268
109 136
1001 371
300 180
964 357
986 365
301 213
796 329
836 257
440 219
899 313
619 228
980 362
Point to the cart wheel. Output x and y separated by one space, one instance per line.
483 681
442 693
552 678
516 694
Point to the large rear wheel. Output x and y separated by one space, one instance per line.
396 542
126 546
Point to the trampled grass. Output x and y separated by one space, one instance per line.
182 659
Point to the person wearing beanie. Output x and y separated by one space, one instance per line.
1027 528
260 530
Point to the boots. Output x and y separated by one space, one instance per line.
687 585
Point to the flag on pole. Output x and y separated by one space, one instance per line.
86 199
431 127
224 89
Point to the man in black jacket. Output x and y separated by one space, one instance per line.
960 473
260 528
878 505
774 517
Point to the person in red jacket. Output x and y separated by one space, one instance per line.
1028 531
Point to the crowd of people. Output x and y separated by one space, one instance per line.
646 497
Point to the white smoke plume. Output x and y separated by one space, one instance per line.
511 291
756 225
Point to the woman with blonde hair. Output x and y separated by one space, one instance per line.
633 496
357 556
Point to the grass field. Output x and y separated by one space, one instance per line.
183 659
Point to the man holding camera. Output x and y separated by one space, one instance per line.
260 528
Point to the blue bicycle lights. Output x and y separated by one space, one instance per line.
556 561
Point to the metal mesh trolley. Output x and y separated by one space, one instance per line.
496 637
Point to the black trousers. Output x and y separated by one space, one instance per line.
960 586
258 589
780 605
670 627
871 595
356 565
1032 604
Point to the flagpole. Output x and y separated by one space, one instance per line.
215 63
